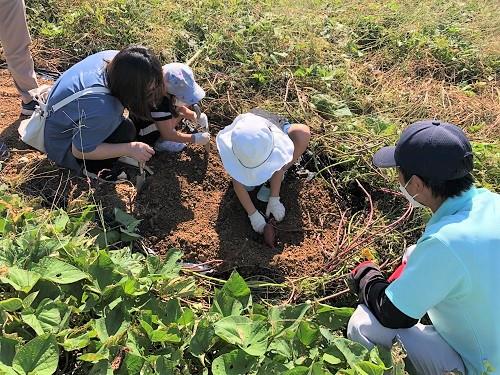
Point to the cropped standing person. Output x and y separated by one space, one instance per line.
452 272
15 39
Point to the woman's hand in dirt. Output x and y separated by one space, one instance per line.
201 138
258 222
276 208
141 152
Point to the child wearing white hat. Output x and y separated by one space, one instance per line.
182 93
259 147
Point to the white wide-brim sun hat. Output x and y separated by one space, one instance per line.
252 149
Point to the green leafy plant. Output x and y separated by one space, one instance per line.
115 311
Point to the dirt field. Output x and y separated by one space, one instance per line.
189 203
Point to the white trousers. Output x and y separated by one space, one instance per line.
15 39
427 351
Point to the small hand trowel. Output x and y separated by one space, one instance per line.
141 177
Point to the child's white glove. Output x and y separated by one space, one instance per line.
275 207
203 121
258 222
201 138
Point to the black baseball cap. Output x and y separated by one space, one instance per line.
434 150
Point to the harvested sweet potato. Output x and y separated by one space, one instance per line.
270 234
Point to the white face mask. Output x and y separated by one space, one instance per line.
410 198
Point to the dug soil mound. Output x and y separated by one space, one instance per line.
188 203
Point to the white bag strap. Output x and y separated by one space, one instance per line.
76 95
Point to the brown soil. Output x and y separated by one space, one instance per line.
189 203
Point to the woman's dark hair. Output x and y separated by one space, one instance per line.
135 77
444 189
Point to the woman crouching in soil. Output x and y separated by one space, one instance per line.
90 133
257 149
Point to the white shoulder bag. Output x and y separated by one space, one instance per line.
32 130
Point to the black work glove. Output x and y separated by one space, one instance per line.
361 276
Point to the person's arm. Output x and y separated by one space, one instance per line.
168 131
274 205
275 183
244 198
137 150
431 273
186 113
370 285
256 219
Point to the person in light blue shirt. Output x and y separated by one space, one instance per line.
91 133
452 272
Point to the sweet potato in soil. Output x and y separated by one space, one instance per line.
189 203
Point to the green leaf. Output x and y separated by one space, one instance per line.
3 223
283 347
147 327
123 218
307 333
171 334
132 263
298 370
30 319
105 238
172 311
352 351
59 272
226 305
93 357
248 335
28 300
7 370
331 359
369 368
61 221
39 356
201 341
236 362
20 280
78 342
171 265
286 318
11 304
187 318
132 365
381 357
237 287
167 269
270 367
334 318
103 271
109 326
45 319
164 365
342 112
233 297
113 323
7 350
